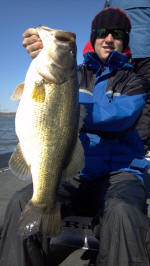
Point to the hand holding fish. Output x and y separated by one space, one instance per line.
32 42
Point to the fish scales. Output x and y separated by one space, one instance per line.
47 126
53 132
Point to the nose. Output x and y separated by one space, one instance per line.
109 38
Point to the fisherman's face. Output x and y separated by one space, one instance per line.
104 46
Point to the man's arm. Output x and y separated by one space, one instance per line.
118 113
32 42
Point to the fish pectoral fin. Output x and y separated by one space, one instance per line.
18 92
38 93
76 162
35 219
18 165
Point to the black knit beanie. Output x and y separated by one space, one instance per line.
111 18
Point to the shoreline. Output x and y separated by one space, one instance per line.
7 114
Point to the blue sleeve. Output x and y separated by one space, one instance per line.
115 115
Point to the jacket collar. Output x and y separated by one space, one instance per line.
115 60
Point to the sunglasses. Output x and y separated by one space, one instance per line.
117 34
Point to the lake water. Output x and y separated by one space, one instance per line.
8 138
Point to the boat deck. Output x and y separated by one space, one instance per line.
9 184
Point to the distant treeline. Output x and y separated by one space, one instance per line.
7 114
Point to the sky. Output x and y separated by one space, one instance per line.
18 15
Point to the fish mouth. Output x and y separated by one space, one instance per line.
66 37
61 35
59 53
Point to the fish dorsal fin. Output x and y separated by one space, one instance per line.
83 114
18 165
18 92
76 162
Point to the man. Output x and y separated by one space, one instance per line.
110 187
139 13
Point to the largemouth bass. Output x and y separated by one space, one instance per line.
47 126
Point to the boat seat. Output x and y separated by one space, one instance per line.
76 233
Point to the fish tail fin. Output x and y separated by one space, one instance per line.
36 220
51 222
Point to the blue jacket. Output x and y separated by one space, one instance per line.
110 140
139 13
